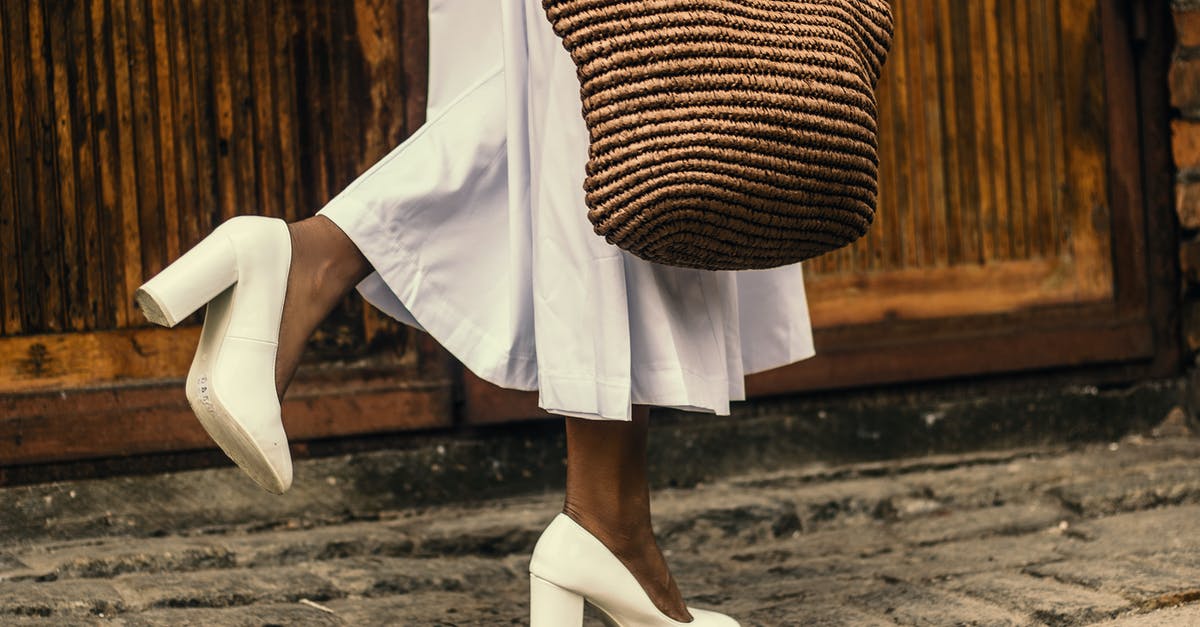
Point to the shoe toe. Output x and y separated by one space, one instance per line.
707 618
268 461
277 477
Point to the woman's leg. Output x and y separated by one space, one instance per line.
608 495
326 265
607 492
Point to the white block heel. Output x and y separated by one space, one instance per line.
552 606
241 271
570 566
190 282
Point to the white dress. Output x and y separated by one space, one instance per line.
477 230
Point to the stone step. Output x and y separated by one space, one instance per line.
237 587
1188 616
1043 601
706 517
719 513
992 539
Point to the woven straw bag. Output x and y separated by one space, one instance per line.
728 134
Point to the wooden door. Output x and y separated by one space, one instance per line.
1012 232
128 130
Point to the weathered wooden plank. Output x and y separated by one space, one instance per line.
66 361
187 211
221 77
38 428
94 294
997 231
953 356
915 155
162 73
322 57
936 238
66 174
383 60
982 180
893 98
115 247
966 133
285 95
954 205
1039 210
242 149
100 246
45 287
1135 157
414 51
347 110
1010 72
1035 133
204 103
127 190
310 53
76 360
1087 207
267 192
947 292
10 265
147 137
889 182
1027 131
1052 113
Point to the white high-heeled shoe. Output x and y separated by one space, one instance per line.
241 272
571 566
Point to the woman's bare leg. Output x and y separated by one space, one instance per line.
326 265
607 494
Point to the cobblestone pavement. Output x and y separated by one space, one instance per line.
1105 534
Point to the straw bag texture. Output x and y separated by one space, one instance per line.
728 134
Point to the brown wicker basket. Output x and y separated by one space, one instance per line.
728 134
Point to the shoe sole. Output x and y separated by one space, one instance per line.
227 432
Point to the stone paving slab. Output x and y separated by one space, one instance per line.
904 603
1153 582
1106 534
1184 616
1040 599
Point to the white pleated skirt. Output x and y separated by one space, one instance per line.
477 230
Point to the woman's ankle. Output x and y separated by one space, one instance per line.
622 529
632 542
332 262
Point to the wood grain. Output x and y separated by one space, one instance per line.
132 127
135 126
43 245
922 293
1088 215
112 245
993 154
128 233
156 419
10 294
65 361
